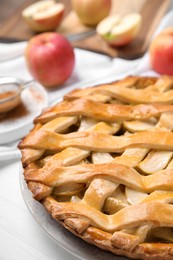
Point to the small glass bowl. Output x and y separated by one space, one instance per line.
10 90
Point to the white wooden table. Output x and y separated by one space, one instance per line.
21 237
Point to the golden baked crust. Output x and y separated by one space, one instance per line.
101 162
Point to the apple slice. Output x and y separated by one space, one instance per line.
155 161
138 125
118 30
44 15
134 197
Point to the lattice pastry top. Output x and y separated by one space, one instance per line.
101 162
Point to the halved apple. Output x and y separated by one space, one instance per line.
44 15
119 30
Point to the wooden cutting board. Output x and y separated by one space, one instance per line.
151 12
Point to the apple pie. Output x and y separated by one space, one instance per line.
101 162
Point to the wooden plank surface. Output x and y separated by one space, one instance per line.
12 25
151 12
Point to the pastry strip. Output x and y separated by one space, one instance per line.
94 141
105 112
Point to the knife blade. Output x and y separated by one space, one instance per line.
70 37
80 36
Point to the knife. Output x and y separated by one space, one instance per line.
70 37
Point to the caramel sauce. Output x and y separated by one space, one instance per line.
19 106
14 114
7 94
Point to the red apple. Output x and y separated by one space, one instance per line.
44 15
50 58
161 52
90 12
